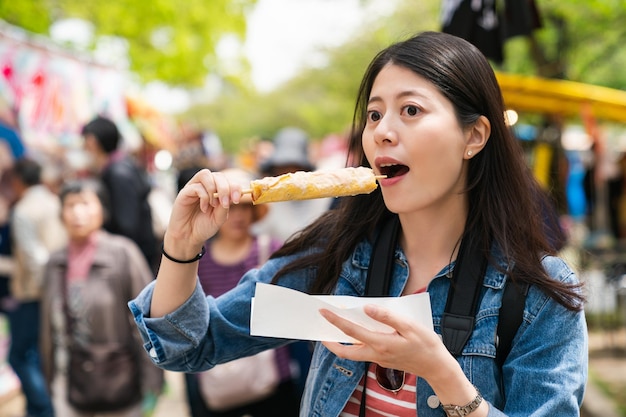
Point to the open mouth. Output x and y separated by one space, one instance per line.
393 170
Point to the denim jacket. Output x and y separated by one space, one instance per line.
544 374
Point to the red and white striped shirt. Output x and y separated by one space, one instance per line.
380 402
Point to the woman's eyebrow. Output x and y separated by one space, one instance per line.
402 94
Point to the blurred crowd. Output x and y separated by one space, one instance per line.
79 240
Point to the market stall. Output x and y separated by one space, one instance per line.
565 98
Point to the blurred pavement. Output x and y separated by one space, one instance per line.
172 402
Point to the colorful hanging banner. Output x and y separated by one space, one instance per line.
54 92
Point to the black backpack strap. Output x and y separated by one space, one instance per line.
458 318
382 259
379 274
510 318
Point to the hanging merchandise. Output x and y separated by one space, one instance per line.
54 91
157 129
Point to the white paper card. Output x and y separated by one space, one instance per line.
282 312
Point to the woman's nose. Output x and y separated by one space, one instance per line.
385 131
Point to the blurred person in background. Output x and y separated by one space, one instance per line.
6 259
199 147
36 231
229 254
127 185
6 201
87 285
8 380
11 148
290 154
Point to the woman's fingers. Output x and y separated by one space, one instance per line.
400 323
342 324
394 349
219 190
201 207
350 328
367 342
350 351
396 322
210 189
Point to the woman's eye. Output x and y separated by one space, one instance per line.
412 110
373 116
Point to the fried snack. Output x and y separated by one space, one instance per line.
303 185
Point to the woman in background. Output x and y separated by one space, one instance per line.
87 285
229 254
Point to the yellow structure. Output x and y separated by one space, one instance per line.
561 97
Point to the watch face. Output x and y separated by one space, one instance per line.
461 411
457 411
453 412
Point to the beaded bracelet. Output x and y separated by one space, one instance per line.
188 261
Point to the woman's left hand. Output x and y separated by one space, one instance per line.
411 347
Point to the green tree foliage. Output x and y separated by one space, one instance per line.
172 41
582 40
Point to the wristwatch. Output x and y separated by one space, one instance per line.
463 410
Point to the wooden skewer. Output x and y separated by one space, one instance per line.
245 191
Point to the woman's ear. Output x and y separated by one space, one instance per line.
477 136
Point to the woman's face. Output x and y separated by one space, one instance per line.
412 135
82 214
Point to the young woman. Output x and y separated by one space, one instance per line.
430 117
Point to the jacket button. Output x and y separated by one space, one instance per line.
433 401
153 353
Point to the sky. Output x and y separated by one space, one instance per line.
283 35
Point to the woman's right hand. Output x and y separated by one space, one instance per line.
199 210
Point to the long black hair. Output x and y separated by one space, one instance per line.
506 204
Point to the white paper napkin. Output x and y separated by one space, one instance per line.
282 312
